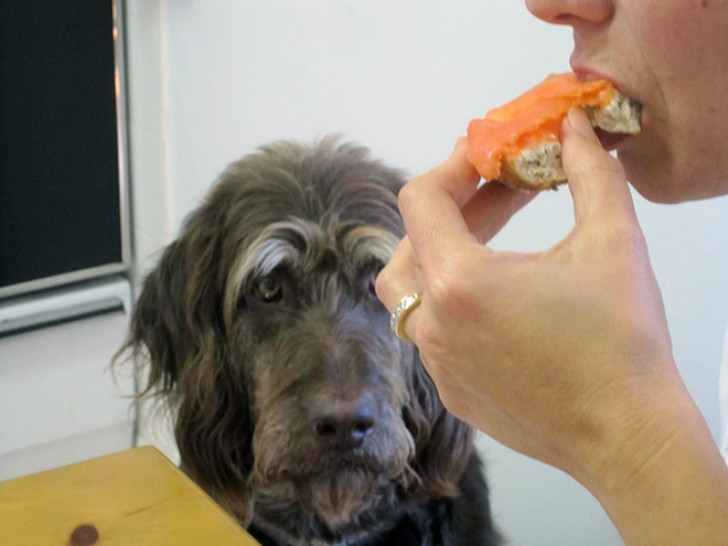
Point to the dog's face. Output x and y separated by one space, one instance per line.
297 408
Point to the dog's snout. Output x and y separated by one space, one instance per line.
344 423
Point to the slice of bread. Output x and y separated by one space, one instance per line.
539 167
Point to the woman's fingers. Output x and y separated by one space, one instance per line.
492 207
401 277
446 208
430 206
596 179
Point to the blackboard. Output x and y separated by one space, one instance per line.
61 156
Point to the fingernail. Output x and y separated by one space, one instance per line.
581 124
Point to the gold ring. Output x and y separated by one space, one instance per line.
404 307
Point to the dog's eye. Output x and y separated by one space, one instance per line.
268 289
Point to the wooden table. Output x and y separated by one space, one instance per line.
136 497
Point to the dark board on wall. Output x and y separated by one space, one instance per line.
61 196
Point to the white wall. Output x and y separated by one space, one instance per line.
220 77
59 400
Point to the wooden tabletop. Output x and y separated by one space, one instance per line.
136 497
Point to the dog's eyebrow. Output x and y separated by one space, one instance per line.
297 241
367 243
278 243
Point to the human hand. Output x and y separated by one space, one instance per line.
551 353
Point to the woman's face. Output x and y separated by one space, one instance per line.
672 56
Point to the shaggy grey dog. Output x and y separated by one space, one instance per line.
296 408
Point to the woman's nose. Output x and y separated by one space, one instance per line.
571 12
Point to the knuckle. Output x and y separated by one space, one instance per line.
448 288
382 283
407 195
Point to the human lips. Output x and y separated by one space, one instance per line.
609 141
585 73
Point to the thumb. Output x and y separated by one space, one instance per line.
597 181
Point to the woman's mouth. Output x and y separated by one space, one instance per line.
610 141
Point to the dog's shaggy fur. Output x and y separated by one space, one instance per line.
296 408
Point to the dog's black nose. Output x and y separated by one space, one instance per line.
344 423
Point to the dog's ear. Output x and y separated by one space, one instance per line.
178 335
159 334
443 443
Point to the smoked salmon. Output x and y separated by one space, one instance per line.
533 121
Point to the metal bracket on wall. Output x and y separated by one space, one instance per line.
42 310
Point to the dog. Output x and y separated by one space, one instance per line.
295 406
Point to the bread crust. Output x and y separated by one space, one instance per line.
536 168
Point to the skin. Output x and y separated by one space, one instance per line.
668 54
565 355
